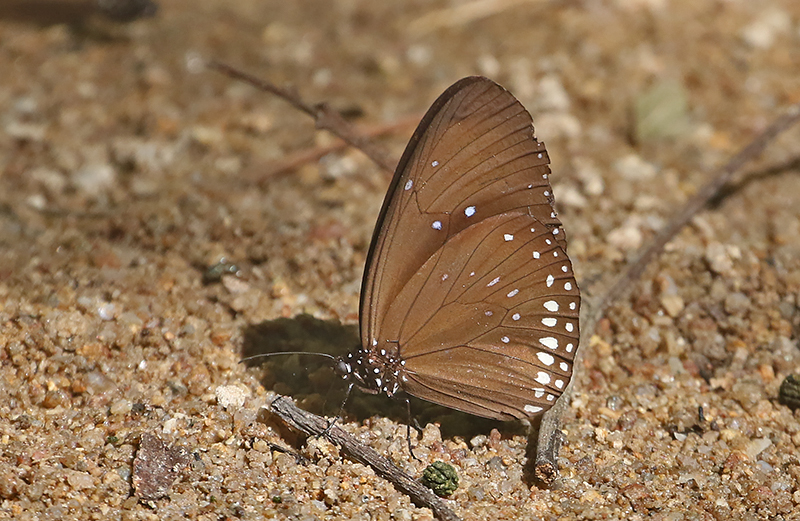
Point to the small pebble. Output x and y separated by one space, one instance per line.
552 95
627 237
789 392
107 311
762 32
121 407
756 447
569 196
634 168
718 258
94 178
231 396
478 441
737 303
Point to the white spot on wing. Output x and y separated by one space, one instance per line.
545 358
505 340
437 225
508 237
549 342
409 184
564 366
434 164
549 322
551 305
569 348
492 283
512 293
542 377
550 280
569 327
469 211
536 255
568 286
515 316
532 409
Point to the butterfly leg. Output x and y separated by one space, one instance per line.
339 414
408 429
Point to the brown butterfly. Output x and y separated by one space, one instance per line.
469 299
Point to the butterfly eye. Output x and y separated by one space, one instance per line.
467 272
343 368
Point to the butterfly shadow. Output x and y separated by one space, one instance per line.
311 381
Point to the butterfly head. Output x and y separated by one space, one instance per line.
372 371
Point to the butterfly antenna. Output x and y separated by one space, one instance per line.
326 355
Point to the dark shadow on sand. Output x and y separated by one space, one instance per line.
311 381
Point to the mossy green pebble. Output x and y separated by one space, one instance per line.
441 478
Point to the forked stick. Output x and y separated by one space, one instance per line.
324 117
311 155
546 467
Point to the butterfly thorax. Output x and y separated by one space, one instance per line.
373 371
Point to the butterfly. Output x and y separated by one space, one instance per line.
468 298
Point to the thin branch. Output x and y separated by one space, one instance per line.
324 116
309 155
549 432
707 193
315 425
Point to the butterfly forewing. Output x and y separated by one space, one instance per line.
467 279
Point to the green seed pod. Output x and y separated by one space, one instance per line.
441 478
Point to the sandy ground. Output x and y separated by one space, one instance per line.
127 171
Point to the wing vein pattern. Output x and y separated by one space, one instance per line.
467 279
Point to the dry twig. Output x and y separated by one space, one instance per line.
325 117
309 155
549 430
315 426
